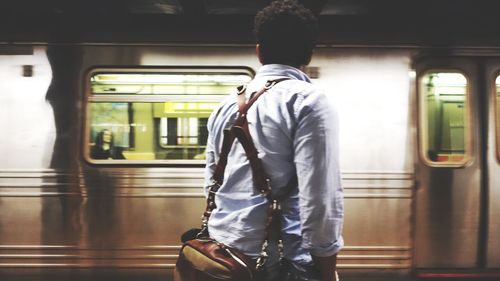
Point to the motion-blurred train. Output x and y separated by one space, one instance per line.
103 112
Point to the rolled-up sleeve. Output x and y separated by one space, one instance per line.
317 163
210 153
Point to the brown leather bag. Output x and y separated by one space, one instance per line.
203 258
207 260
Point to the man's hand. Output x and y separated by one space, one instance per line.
327 266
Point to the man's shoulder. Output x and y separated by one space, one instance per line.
225 110
302 86
299 91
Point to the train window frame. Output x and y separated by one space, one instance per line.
422 121
89 98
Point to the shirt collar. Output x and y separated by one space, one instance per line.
282 70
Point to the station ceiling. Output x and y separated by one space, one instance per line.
176 7
342 22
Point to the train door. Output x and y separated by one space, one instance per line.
493 164
456 167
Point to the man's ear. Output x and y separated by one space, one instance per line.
259 53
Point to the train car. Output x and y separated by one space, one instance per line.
104 108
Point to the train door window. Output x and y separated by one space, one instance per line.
497 117
141 116
444 118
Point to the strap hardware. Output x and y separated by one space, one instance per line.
275 205
266 190
261 260
270 84
242 89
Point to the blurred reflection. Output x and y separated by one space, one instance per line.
441 228
61 222
102 211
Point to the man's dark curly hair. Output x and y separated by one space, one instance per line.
286 33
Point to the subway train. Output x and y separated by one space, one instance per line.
103 117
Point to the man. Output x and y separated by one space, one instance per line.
295 130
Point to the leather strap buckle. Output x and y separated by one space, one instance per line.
270 84
242 89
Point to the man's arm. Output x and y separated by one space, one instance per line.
320 190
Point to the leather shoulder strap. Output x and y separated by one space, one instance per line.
244 137
240 130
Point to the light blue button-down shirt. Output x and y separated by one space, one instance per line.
295 130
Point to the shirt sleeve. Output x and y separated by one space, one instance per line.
321 205
210 153
214 127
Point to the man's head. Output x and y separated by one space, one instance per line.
286 33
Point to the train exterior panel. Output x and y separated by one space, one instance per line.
419 157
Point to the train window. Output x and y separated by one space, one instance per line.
444 118
497 110
138 117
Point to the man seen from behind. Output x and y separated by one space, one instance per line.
295 129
